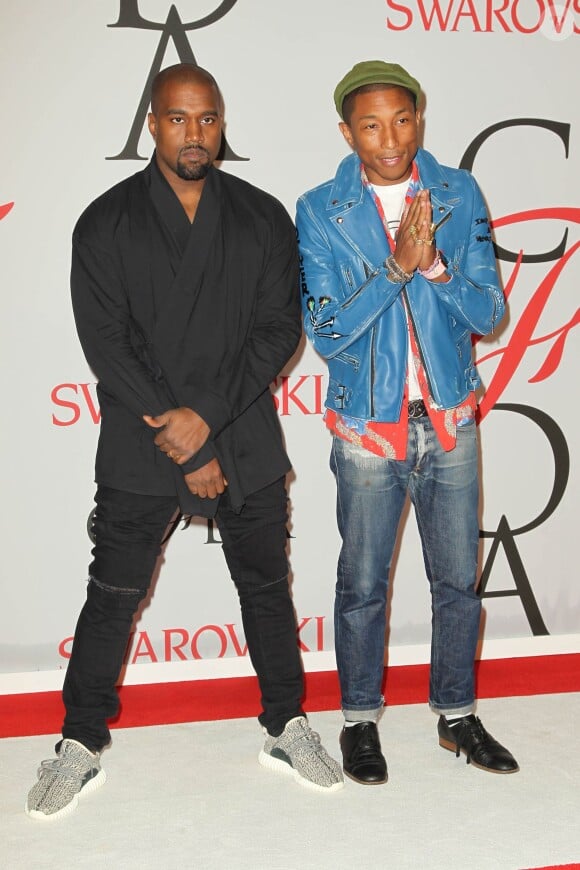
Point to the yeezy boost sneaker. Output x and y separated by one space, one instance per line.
61 780
298 753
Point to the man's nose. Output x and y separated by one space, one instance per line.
389 138
194 131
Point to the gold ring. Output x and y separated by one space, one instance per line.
413 231
419 241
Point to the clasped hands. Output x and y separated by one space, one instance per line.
415 244
182 433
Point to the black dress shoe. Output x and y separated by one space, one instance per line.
469 736
362 758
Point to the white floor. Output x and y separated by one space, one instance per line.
194 796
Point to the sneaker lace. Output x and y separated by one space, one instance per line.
61 766
310 738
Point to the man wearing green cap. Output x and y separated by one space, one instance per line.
398 272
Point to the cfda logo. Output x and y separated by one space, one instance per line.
176 30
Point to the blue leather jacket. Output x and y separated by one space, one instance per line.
355 316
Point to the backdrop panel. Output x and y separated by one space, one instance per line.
497 78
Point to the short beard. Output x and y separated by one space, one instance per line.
197 172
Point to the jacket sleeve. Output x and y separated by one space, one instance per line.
272 339
113 344
473 296
336 312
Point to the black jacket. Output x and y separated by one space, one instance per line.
202 315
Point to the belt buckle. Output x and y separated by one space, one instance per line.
416 409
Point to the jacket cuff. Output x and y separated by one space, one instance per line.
213 409
199 459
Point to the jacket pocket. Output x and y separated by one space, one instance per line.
347 277
348 358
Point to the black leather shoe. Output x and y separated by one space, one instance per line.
362 758
469 736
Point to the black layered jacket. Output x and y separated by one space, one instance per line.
202 315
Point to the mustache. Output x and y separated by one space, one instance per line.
193 148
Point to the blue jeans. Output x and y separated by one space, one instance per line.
371 492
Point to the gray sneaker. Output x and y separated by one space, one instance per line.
298 752
75 771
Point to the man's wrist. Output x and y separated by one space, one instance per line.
395 273
436 269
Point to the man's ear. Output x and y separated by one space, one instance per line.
152 124
346 132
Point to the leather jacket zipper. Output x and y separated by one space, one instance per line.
357 293
372 384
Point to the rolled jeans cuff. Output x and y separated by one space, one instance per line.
359 715
464 710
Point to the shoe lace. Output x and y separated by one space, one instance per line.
310 738
367 746
63 766
471 731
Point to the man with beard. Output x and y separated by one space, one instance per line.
185 295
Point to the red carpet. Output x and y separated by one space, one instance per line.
557 867
165 703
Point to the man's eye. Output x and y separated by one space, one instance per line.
208 120
176 120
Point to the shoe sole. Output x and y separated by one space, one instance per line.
365 781
92 785
445 744
282 767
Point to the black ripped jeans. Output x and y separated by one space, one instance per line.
129 529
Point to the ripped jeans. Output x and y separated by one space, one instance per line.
128 530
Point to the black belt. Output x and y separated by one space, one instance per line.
416 408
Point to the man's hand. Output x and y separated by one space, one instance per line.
207 481
412 252
183 433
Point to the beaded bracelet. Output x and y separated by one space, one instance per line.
436 268
395 274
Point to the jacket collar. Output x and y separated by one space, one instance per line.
347 189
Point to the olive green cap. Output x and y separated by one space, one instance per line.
374 72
